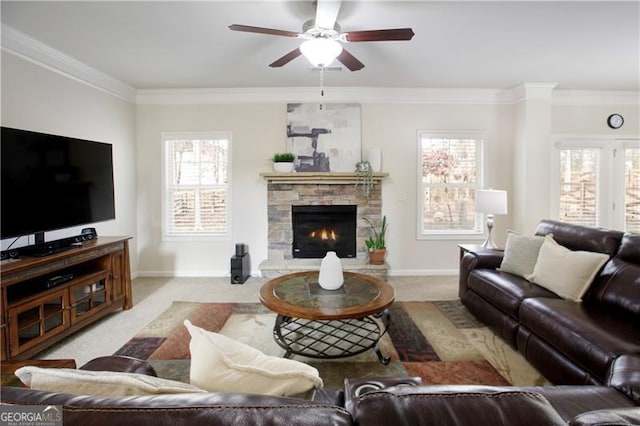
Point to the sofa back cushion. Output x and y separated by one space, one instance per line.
618 284
221 409
577 237
454 405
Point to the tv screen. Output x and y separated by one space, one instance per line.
52 182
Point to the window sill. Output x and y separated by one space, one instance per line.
461 236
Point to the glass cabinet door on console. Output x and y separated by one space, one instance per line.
89 295
34 321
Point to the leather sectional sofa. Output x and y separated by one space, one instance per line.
590 349
569 342
365 401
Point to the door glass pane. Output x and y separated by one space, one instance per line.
632 189
82 307
82 292
28 325
53 321
579 198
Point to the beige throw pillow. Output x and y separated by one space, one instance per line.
221 364
104 383
566 273
520 254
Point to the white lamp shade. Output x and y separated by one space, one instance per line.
491 201
321 51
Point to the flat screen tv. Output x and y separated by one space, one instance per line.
52 182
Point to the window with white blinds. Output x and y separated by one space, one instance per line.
197 189
632 188
450 171
579 190
598 183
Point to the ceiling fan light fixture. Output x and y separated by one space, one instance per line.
321 52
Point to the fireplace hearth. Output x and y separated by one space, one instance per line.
318 229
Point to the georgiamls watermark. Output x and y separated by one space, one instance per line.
30 415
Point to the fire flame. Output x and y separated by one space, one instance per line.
324 234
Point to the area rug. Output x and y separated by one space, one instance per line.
441 342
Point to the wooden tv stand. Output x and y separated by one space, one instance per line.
45 299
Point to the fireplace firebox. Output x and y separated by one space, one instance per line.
319 229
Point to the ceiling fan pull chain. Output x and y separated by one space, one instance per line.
321 84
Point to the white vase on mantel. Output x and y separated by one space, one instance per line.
374 157
331 277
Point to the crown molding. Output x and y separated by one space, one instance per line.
34 51
596 98
331 94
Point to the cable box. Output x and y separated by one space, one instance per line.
59 279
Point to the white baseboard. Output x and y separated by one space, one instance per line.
391 272
421 272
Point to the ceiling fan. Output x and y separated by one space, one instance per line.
323 38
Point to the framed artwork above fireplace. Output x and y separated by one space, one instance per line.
324 137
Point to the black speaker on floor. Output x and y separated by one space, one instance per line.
240 265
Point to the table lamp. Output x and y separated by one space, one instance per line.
491 201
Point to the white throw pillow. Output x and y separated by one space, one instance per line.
221 364
566 273
104 383
520 254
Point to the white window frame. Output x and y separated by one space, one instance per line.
478 232
611 213
167 137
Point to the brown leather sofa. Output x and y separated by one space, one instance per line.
364 401
569 342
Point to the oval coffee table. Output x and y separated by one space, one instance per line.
320 323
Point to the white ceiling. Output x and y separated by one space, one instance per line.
490 45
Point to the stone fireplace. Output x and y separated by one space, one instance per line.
286 190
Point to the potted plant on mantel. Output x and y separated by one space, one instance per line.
375 243
283 162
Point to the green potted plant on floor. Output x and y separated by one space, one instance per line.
376 246
283 162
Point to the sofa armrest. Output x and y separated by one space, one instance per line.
608 417
477 260
624 376
121 364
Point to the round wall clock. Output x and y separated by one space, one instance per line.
615 121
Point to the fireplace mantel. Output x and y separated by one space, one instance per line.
318 177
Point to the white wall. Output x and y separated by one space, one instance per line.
394 128
259 130
38 99
35 98
591 120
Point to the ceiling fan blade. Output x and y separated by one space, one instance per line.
327 13
286 58
350 61
260 30
380 35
